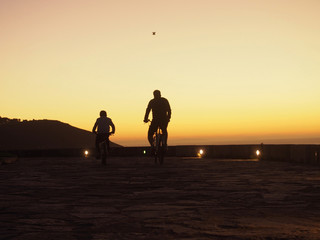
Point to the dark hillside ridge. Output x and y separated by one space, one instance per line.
44 134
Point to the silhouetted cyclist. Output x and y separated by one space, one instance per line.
161 115
103 124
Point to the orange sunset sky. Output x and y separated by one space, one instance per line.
234 71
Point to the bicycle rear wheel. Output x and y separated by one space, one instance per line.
154 148
161 150
104 153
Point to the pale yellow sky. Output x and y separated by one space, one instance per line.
232 70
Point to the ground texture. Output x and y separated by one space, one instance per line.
132 198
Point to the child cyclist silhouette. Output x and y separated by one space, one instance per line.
103 124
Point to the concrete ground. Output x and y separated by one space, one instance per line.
132 198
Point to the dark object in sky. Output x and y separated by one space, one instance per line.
153 33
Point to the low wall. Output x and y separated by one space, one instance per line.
292 153
308 154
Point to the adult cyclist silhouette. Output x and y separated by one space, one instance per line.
161 115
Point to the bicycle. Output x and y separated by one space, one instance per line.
104 149
159 146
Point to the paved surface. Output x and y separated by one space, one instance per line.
187 198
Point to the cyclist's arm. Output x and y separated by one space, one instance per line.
147 113
169 111
113 127
94 127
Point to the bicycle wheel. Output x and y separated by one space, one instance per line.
104 153
161 150
156 148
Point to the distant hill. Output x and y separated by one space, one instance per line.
43 134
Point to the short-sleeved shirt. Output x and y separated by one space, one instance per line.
160 109
103 124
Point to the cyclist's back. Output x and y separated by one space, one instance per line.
103 124
160 108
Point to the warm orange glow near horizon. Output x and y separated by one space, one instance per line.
233 71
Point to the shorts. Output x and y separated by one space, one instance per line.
102 137
155 124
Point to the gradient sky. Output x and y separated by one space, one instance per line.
234 71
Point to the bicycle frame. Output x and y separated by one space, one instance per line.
158 143
104 149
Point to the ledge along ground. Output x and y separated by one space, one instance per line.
132 198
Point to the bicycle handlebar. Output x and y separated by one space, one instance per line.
109 133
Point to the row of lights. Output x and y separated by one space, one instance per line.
200 153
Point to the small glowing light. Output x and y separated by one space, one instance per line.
144 152
86 153
200 153
258 153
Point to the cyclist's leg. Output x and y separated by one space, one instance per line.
104 153
98 142
104 146
108 144
164 130
152 129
